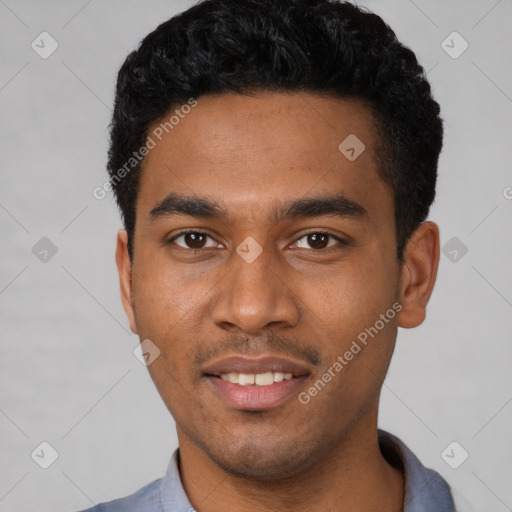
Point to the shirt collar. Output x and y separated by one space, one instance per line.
425 489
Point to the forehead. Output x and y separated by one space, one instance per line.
247 152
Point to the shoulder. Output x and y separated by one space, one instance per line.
162 495
147 498
424 487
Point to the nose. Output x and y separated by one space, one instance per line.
255 295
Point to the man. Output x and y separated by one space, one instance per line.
274 163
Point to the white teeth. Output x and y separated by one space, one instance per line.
258 379
245 379
233 377
264 379
278 376
230 377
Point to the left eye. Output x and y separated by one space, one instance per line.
319 241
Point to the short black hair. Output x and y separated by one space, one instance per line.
317 46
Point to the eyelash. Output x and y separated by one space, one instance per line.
324 251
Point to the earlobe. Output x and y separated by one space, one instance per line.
419 272
124 268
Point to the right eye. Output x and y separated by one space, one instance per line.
192 240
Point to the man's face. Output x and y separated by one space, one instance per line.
323 276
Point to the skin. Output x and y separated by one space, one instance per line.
295 299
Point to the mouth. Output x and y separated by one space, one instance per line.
255 379
255 384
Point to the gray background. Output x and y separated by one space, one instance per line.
68 374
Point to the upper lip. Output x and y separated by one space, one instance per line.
240 364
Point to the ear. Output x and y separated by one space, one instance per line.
124 268
419 272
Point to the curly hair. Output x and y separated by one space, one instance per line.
317 46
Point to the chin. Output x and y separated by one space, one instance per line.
262 462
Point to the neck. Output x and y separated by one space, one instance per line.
353 476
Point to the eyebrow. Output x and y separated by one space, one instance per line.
337 205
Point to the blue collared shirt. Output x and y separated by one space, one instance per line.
425 489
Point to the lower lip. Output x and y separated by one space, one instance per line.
256 398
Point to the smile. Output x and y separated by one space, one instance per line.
255 379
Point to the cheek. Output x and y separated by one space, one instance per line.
168 311
353 296
161 297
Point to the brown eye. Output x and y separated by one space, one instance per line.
319 240
192 240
